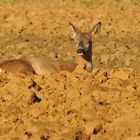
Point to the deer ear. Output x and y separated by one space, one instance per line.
74 31
96 29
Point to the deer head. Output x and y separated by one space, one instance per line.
84 43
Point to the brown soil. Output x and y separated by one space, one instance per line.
101 105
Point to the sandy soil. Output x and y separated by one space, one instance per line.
101 105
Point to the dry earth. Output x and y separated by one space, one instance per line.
101 105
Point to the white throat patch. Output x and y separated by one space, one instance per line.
89 66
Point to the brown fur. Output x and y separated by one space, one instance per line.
17 65
45 66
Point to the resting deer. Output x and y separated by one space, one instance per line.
39 66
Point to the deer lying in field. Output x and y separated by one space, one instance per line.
39 66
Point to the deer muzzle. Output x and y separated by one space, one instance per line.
81 51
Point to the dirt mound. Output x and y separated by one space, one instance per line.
103 104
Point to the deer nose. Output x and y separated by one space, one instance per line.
81 50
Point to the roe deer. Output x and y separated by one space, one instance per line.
39 66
